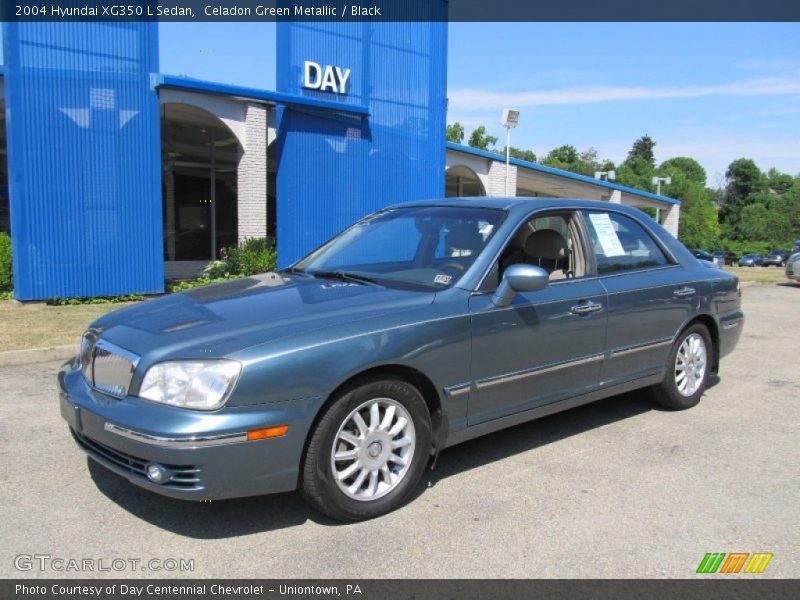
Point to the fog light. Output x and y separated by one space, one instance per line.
157 473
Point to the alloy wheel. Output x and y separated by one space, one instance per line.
690 365
373 449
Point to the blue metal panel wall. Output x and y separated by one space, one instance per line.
84 159
334 168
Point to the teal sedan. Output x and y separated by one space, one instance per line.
419 327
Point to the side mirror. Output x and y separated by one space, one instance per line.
519 278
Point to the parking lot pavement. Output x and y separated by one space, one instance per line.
614 489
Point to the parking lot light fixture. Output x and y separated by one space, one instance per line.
510 120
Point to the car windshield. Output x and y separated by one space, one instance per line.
426 247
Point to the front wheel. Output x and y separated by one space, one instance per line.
687 371
368 451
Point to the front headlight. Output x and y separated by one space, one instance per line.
198 384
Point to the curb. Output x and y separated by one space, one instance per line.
37 355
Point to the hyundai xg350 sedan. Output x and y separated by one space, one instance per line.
421 326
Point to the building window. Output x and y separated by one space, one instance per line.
461 181
200 158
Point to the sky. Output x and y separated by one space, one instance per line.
712 91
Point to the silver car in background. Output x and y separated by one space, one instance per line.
793 267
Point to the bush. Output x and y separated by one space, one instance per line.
189 284
219 269
742 248
254 255
95 300
6 280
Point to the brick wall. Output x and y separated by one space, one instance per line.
497 179
252 174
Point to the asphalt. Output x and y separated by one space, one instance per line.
615 489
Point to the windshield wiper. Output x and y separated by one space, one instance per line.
343 276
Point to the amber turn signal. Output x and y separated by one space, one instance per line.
267 432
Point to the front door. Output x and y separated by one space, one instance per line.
547 345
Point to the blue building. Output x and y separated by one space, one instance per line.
115 176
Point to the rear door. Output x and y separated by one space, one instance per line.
649 297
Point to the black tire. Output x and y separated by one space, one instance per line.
317 481
667 393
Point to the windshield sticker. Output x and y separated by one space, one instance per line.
606 235
443 279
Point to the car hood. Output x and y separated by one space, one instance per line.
216 320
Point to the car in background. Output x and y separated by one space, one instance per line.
705 255
726 256
776 258
793 266
751 260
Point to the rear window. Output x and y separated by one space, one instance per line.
621 244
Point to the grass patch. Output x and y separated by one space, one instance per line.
39 325
763 275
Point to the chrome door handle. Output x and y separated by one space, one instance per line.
583 309
684 291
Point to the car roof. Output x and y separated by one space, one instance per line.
519 203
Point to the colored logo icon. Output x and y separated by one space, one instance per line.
734 562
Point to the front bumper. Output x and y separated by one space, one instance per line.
206 454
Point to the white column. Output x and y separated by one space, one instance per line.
672 220
497 179
252 175
616 197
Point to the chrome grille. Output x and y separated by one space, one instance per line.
107 367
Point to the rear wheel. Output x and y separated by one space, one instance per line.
687 369
368 451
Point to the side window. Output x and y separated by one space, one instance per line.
621 244
550 242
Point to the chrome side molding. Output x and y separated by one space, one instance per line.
198 441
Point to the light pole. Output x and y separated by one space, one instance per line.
658 181
510 120
605 175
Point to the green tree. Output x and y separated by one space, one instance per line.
639 167
562 157
779 183
455 133
756 223
568 158
480 140
636 172
643 149
744 181
527 155
692 169
699 224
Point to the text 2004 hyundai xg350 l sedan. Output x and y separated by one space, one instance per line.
419 327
